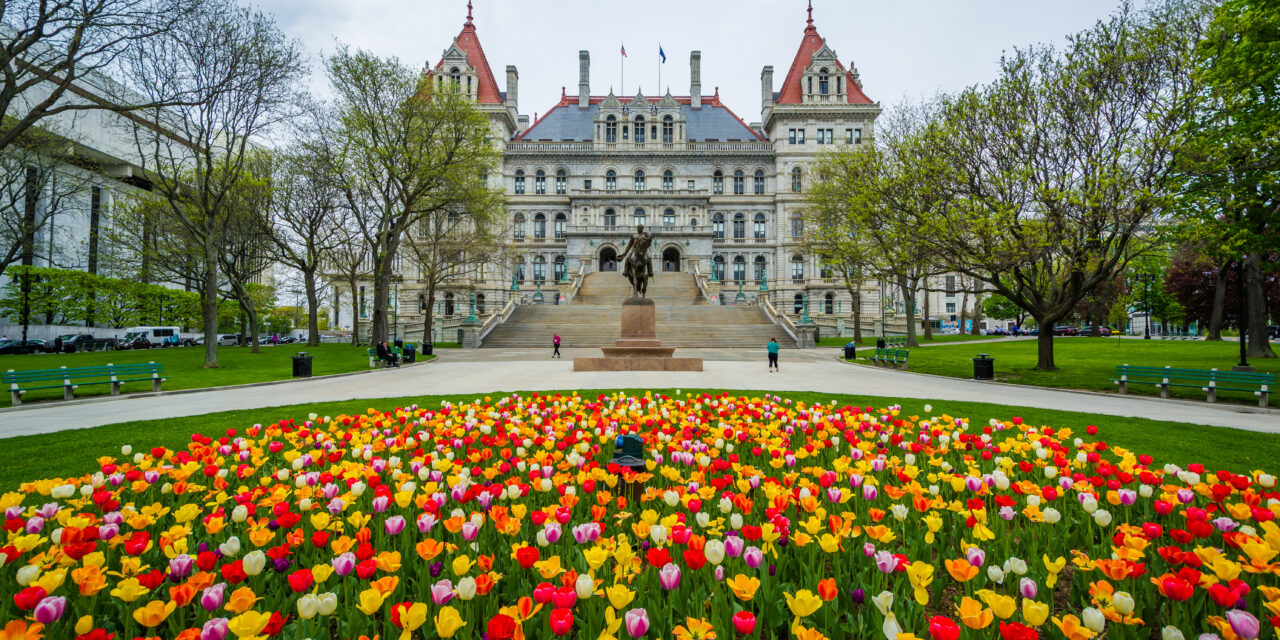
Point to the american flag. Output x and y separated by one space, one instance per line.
624 50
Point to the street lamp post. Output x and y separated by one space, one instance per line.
1244 363
1145 279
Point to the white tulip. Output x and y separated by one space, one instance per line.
308 606
1171 633
1093 619
1123 603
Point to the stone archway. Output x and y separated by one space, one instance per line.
608 259
671 260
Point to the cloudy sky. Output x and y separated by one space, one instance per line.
905 49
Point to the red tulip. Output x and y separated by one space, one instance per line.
1174 588
943 628
564 598
542 593
695 558
501 627
301 580
28 598
658 557
744 622
1018 631
275 624
234 572
527 556
561 621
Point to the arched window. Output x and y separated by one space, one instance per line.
610 218
797 226
717 268
480 303
639 129
540 182
739 226
611 129
639 180
519 181
759 226
759 182
717 226
559 268
669 218
611 179
638 216
717 182
797 268
448 304
829 304
561 220
799 303
539 226
520 269
761 269
539 269
823 82
824 271
668 129
693 222
739 269
739 183
561 182
668 180
797 184
455 74
518 229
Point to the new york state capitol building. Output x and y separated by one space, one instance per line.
721 196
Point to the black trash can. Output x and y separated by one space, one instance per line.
984 367
302 365
850 351
880 343
410 353
399 343
428 348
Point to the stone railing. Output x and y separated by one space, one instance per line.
576 284
779 319
543 146
493 321
701 281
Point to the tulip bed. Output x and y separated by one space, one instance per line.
756 517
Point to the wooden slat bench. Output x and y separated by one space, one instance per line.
373 356
1210 381
894 357
70 379
895 342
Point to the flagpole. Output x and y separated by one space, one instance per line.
660 94
622 65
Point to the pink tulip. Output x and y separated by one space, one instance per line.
1242 623
733 546
669 576
426 522
211 598
394 525
869 492
49 609
470 531
442 592
344 564
975 556
381 503
636 622
553 532
215 629
180 565
1028 588
753 556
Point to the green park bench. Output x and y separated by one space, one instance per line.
373 355
896 342
70 379
1210 381
894 357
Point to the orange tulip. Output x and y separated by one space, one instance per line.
827 589
960 569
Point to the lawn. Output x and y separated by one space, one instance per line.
1089 363
183 366
26 458
870 341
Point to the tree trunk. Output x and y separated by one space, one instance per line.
855 299
1044 344
252 314
428 319
1259 347
355 311
210 308
964 309
313 308
381 292
1219 303
977 315
928 319
909 303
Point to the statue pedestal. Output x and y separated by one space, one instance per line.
639 349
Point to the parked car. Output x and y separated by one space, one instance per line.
156 336
1064 330
1031 332
1273 332
25 347
228 340
74 342
997 332
135 343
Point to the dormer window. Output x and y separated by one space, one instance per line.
456 75
639 129
824 82
668 130
611 129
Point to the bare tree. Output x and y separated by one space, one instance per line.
247 239
349 263
240 72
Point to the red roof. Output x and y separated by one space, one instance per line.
487 92
810 44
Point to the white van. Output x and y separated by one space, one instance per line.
157 336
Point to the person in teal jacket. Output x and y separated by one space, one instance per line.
773 354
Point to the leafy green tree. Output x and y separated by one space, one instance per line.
998 306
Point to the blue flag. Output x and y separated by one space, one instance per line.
663 54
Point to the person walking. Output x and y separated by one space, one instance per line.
555 342
773 354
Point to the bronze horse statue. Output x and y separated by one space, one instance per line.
637 267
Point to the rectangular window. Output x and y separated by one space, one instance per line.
800 136
848 136
519 184
951 286
540 185
691 183
639 181
586 184
759 184
717 184
857 136
668 182
822 136
797 227
560 185
739 184
951 307
95 219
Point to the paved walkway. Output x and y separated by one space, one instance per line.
497 370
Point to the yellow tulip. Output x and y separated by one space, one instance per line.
249 624
129 590
461 565
448 621
921 576
1034 613
549 568
371 601
412 618
154 613
803 603
829 543
619 596
1001 605
973 614
1054 567
743 587
1072 629
321 572
84 625
595 557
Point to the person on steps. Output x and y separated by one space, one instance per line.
555 342
773 354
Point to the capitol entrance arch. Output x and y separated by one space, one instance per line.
671 259
608 259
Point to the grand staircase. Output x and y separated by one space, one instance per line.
593 318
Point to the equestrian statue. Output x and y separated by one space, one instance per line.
637 267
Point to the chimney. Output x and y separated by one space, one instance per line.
766 87
522 123
584 79
513 82
695 79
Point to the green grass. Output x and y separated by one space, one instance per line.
1090 363
870 341
184 366
26 458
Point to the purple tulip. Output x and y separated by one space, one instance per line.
50 608
435 569
669 576
753 556
344 564
442 592
858 595
211 598
394 525
975 556
1028 588
733 546
215 629
636 622
773 570
281 564
1242 623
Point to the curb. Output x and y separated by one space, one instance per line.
176 392
1233 408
